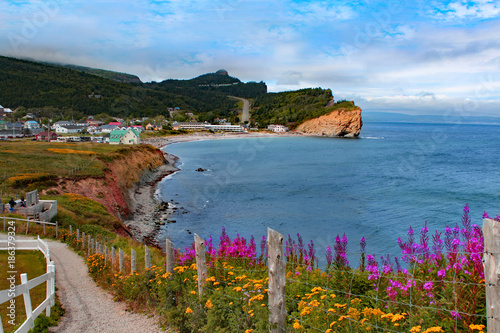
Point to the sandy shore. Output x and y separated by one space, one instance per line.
198 136
149 212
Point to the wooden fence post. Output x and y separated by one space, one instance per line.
89 245
3 223
27 301
106 254
44 231
112 257
170 256
70 229
96 247
93 246
57 229
120 252
277 281
133 263
83 239
147 257
201 262
27 226
491 262
77 235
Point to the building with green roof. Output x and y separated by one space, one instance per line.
124 137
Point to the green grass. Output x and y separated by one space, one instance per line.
33 264
39 166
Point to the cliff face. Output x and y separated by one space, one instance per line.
339 123
122 173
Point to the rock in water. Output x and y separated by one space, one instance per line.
339 123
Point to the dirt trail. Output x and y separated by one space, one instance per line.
88 307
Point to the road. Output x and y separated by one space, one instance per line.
245 115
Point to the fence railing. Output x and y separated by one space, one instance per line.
281 273
28 221
278 281
26 285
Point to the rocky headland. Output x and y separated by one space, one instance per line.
339 123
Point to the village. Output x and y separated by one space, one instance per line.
118 131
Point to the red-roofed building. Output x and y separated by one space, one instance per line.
116 123
43 136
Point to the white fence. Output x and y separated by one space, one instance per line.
26 285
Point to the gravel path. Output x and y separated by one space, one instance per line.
88 307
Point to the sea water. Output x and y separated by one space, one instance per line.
393 176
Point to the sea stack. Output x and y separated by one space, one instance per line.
339 123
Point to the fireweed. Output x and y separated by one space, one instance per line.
435 285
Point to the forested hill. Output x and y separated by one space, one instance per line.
294 107
218 82
111 75
38 85
72 93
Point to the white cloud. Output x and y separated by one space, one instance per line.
458 10
320 11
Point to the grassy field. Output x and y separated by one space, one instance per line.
33 264
28 165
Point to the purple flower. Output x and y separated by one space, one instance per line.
329 255
428 286
486 216
455 315
441 273
362 243
466 208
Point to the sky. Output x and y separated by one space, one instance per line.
413 57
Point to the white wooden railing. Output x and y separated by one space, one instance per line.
28 221
26 285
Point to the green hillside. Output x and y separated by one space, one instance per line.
76 92
115 76
36 85
294 107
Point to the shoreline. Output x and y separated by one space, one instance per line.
149 212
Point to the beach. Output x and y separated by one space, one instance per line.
149 212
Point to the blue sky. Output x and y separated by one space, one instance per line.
419 57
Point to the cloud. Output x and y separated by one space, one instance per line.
320 11
460 10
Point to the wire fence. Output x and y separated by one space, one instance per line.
436 286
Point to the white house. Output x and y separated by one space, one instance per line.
277 128
108 128
31 124
68 129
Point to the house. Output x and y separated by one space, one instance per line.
69 129
44 136
107 128
277 128
105 138
153 127
126 137
82 124
116 123
61 123
31 124
95 123
14 126
138 128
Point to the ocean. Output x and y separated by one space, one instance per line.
395 175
